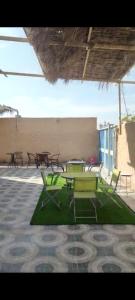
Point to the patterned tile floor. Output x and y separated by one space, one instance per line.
78 248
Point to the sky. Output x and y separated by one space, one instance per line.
36 97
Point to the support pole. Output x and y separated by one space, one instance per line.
109 149
6 73
119 90
13 39
88 53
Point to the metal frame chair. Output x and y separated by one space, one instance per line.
113 184
42 158
73 168
114 180
98 173
77 167
49 161
53 160
11 161
18 158
48 189
85 188
32 158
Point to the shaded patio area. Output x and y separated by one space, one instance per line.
76 248
97 54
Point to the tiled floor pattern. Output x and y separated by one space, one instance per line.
73 248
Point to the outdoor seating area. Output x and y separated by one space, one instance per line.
76 199
38 159
75 191
80 196
55 209
16 158
55 248
67 159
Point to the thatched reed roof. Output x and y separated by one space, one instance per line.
4 109
83 53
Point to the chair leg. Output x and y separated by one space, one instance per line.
43 204
74 210
53 175
55 202
69 185
113 199
72 200
55 178
37 163
50 198
95 209
81 217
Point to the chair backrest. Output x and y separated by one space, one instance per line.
43 175
31 156
56 156
18 155
74 167
115 178
85 184
42 157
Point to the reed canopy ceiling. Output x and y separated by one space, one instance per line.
102 54
4 109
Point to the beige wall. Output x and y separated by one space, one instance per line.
126 150
72 137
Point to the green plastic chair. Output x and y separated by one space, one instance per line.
99 172
73 168
48 189
112 186
114 181
84 188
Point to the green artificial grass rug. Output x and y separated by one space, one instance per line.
111 209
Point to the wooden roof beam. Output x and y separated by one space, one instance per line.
114 47
69 44
13 39
21 74
87 46
43 76
88 53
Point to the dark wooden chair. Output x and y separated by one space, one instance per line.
49 160
32 159
11 161
18 158
42 159
53 160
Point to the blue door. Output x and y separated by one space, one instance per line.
107 147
